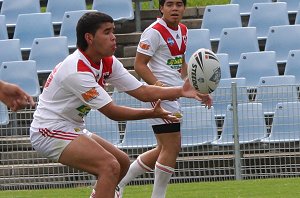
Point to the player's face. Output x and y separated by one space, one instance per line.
104 41
173 11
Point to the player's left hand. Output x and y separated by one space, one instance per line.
159 112
188 91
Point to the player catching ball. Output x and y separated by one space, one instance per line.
160 61
75 86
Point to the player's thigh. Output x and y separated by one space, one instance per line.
169 139
121 156
86 154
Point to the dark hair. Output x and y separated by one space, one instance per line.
162 2
90 22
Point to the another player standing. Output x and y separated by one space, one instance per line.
74 87
160 61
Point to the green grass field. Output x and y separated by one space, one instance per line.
265 188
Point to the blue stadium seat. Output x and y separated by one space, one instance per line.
251 124
119 10
246 5
197 38
286 123
292 66
102 126
225 67
265 15
68 26
58 8
292 5
217 17
3 29
297 20
282 39
26 78
12 8
198 126
31 26
10 50
138 134
253 65
235 41
48 52
275 89
4 118
222 96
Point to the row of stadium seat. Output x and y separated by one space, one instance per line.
238 40
246 6
262 16
199 127
118 9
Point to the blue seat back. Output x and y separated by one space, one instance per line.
235 41
28 28
26 78
102 126
58 8
282 39
253 65
265 15
12 8
198 126
292 66
48 52
119 10
217 17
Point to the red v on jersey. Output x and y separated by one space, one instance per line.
170 40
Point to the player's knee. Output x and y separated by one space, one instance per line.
112 168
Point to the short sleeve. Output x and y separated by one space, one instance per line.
149 42
121 78
85 87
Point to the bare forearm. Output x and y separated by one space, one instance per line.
149 93
122 113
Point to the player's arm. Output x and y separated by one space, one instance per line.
149 93
121 113
14 97
142 69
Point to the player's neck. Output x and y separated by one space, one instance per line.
171 25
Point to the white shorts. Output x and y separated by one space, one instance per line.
172 106
51 141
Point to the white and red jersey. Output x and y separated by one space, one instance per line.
166 47
75 86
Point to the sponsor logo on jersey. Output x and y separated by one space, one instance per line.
144 46
175 63
83 110
90 94
170 41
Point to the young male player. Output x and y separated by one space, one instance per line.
160 61
74 87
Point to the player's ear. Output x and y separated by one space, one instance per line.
88 37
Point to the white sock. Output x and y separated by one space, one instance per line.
162 177
136 168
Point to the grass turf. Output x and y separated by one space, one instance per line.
263 188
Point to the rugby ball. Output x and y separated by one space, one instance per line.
204 71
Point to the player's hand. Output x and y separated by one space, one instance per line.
14 97
159 112
189 91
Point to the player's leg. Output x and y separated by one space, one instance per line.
166 162
144 163
89 155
